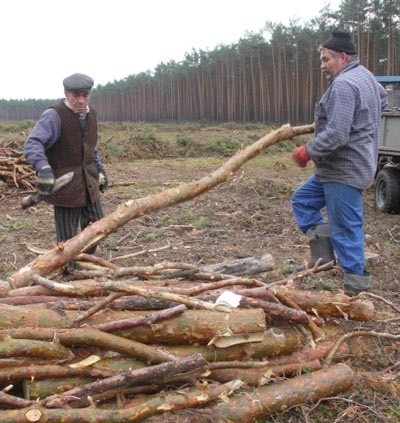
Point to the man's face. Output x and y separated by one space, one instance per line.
332 63
78 100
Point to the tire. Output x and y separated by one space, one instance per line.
387 190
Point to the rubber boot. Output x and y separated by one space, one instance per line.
355 284
320 247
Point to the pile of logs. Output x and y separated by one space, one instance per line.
113 343
15 172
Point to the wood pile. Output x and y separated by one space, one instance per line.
15 172
111 343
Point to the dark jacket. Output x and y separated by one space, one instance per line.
74 151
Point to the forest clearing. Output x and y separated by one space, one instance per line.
247 216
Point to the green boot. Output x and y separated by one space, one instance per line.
320 245
355 284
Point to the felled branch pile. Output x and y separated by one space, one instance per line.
119 343
15 171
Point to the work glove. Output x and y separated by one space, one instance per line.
103 179
45 180
301 156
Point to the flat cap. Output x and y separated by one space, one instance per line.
78 81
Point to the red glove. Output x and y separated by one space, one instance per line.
301 156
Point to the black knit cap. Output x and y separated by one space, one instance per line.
340 41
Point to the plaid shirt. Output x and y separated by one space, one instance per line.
347 119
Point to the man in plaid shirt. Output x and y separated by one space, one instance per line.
344 151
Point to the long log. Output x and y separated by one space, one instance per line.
131 377
132 209
188 398
22 348
17 374
328 304
275 341
266 374
192 326
306 359
122 287
275 397
34 390
96 338
248 265
243 266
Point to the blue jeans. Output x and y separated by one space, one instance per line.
344 206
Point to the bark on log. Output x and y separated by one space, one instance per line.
44 388
26 361
276 397
146 375
17 374
129 302
147 320
283 365
4 288
328 304
12 401
192 326
286 364
131 209
36 299
29 348
121 286
37 389
188 398
266 374
241 267
275 341
93 337
253 264
276 310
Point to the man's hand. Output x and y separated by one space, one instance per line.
301 156
45 180
103 180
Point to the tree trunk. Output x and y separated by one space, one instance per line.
96 338
152 374
306 359
188 398
192 326
282 340
131 209
17 374
276 397
262 375
327 303
21 348
244 266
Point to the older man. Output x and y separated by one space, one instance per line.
64 139
344 151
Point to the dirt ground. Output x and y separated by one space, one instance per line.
249 215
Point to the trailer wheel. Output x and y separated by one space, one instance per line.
387 190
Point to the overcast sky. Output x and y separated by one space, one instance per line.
43 41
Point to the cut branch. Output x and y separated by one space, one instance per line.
131 209
145 375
